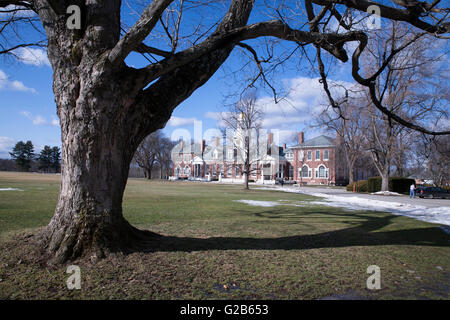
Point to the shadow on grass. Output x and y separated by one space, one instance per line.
362 233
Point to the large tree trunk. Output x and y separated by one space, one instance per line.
97 149
105 112
351 168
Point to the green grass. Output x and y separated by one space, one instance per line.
217 248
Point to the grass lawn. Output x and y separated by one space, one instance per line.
217 248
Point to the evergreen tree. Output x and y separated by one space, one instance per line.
56 159
45 159
23 154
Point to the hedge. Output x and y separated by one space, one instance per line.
396 184
361 186
374 184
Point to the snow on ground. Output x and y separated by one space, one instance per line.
10 189
259 203
439 215
386 193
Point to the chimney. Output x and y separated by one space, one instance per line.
301 137
216 141
270 138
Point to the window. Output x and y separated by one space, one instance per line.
325 155
309 155
322 172
305 172
229 167
317 154
178 171
187 170
289 155
207 169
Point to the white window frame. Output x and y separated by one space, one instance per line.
325 172
308 173
326 152
315 156
309 155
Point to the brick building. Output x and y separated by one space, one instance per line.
309 162
314 160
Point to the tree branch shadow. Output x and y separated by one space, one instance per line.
361 234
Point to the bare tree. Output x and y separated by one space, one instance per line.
244 118
433 155
399 89
349 124
163 156
147 153
106 108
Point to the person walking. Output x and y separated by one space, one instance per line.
412 193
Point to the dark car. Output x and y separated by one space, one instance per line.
432 192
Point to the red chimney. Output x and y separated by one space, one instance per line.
270 138
216 141
301 138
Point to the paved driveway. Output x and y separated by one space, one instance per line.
429 203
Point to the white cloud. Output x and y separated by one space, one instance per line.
178 121
304 100
213 115
14 85
39 120
6 144
35 57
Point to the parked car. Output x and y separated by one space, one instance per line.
432 192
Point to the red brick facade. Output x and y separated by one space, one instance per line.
318 163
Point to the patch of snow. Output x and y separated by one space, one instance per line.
10 189
440 215
386 193
259 203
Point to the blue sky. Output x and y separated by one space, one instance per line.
28 110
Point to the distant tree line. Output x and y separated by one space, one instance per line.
24 158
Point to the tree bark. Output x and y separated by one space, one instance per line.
105 113
96 156
385 181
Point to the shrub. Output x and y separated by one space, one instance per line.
361 186
400 185
374 184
